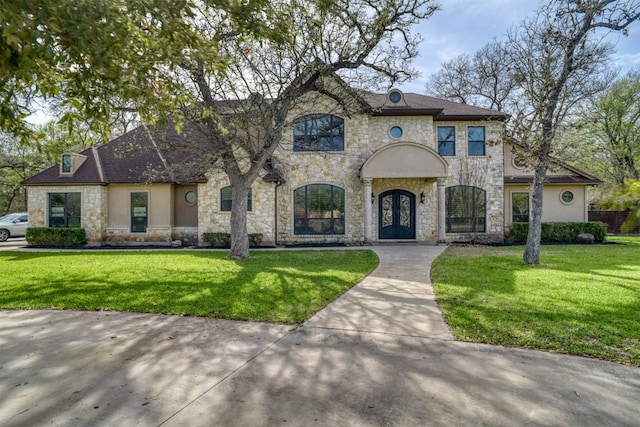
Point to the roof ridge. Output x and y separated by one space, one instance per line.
96 157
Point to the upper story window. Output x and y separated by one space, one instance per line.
225 199
395 96
447 140
319 133
396 132
476 138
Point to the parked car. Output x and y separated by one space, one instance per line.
13 225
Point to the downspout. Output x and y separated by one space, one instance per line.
275 212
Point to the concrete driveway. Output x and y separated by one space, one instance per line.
342 367
13 243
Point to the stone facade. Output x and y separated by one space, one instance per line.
93 212
375 162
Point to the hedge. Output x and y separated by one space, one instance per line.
223 240
558 232
56 237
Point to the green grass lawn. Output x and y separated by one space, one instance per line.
270 286
582 299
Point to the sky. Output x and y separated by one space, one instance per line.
466 26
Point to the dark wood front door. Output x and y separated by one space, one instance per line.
397 215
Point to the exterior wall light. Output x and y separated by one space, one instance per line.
422 197
373 198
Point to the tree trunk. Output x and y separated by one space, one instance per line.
239 235
532 248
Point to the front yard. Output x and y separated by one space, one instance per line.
581 300
271 286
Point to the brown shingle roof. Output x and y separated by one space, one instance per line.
145 154
441 109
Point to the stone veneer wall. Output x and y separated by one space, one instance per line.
259 220
363 136
93 199
486 172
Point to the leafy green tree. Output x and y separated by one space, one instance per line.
614 125
85 53
627 196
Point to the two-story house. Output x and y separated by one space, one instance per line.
411 167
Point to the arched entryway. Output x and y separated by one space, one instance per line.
396 162
397 215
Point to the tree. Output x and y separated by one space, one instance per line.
550 64
557 56
231 71
483 79
90 53
627 196
614 125
268 81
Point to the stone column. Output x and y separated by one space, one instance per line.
367 209
441 210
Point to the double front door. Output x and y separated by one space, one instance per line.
397 215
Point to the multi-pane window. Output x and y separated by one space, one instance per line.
466 208
520 207
139 212
64 210
476 139
225 199
319 209
319 133
447 140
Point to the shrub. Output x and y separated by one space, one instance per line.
223 240
219 240
56 237
559 232
255 239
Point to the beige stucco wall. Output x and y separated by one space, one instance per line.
553 208
160 214
93 200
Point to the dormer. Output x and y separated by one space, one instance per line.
70 163
395 98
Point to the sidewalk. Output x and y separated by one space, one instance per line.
372 358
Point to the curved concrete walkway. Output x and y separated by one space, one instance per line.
378 356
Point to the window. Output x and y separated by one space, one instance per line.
66 163
395 96
319 133
476 140
139 212
465 209
395 132
520 207
566 197
190 197
64 210
319 209
447 140
225 199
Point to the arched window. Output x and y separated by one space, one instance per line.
466 209
319 133
225 199
319 209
